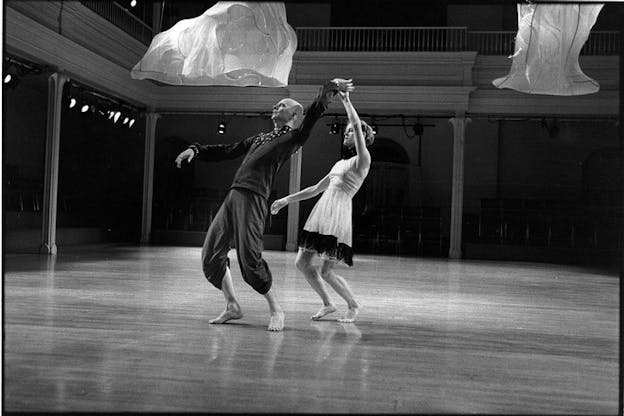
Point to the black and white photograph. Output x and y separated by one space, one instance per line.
346 207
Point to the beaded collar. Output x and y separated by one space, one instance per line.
277 132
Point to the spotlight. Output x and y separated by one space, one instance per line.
117 115
418 129
84 108
374 127
131 123
8 78
111 113
11 76
133 3
72 102
335 128
221 127
126 120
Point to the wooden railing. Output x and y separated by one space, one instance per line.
503 42
122 18
382 39
431 39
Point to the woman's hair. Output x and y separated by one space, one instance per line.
369 135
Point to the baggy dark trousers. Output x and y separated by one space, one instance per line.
240 219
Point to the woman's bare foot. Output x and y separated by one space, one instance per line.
276 322
231 312
349 316
325 310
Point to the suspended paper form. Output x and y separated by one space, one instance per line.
548 43
232 43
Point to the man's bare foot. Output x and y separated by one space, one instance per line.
230 313
276 323
325 310
349 316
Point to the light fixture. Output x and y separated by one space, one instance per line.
374 127
117 115
8 78
133 3
126 120
111 113
72 102
84 108
221 127
131 123
418 129
335 127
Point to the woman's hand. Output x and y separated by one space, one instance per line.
277 205
187 155
344 96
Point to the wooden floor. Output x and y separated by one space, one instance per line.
126 329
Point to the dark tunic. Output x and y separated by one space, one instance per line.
243 213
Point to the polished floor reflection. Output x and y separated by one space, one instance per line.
126 329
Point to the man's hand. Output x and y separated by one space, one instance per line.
343 85
277 205
187 155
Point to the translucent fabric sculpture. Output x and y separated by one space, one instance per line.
548 43
232 43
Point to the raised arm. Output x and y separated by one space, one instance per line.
307 193
363 160
319 105
214 152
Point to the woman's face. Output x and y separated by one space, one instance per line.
349 136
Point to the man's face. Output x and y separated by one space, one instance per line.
283 111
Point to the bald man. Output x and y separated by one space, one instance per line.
242 215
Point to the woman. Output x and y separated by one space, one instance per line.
327 232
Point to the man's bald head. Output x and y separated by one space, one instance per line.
287 111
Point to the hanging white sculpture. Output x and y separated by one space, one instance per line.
548 43
232 43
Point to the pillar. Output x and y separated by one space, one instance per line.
148 176
294 185
56 81
457 197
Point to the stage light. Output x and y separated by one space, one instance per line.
8 78
111 113
133 3
374 127
72 102
126 120
131 123
84 108
335 128
418 129
117 115
221 127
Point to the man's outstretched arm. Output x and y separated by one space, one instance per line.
214 152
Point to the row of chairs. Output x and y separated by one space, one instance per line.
542 223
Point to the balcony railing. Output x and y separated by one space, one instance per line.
382 39
122 18
503 42
431 39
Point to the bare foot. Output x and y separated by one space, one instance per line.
230 313
349 316
276 323
325 310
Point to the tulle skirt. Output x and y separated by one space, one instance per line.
328 229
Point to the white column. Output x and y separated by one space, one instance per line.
148 176
457 197
294 185
56 82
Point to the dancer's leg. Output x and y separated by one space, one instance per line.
304 264
249 212
339 284
232 308
276 321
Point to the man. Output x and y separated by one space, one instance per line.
243 213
